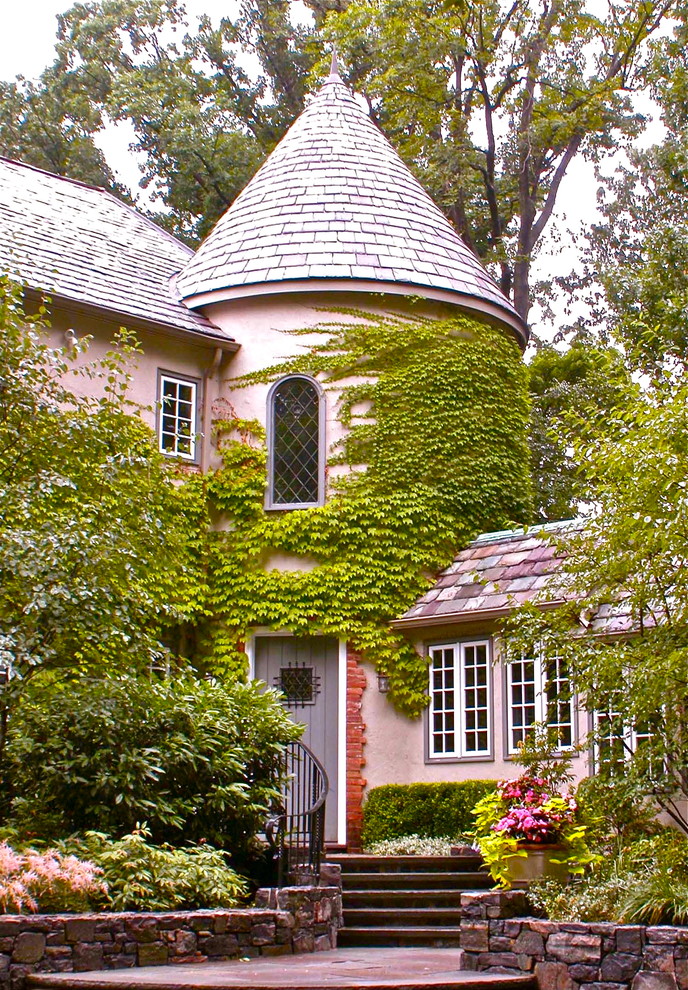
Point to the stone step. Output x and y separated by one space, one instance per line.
427 936
400 917
414 881
395 899
365 863
356 968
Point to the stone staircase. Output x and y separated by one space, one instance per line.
405 900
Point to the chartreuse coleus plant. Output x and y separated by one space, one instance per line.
442 440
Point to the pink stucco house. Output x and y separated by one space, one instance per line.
333 218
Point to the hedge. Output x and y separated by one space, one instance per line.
444 809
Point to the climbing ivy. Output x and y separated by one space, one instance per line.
437 410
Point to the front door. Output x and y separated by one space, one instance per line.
306 670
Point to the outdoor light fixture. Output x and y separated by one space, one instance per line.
383 683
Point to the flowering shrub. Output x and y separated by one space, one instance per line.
49 880
522 811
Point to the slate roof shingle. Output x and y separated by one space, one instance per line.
81 243
335 201
496 572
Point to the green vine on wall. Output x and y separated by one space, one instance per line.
438 411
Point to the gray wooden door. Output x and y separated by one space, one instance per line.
306 669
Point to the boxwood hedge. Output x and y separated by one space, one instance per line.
441 809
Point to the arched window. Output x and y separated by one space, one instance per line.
295 427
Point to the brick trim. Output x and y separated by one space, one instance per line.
356 683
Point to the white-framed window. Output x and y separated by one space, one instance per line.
460 701
615 741
296 442
178 418
539 691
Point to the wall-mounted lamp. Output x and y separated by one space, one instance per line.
383 683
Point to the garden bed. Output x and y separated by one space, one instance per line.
290 920
496 937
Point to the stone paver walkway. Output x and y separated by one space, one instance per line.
406 969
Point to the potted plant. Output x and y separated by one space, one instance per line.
527 828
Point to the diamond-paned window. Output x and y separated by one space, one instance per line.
295 443
300 685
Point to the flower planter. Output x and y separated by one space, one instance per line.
536 863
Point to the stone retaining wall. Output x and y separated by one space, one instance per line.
293 919
495 936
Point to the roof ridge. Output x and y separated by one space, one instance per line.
504 535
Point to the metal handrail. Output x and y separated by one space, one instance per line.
297 827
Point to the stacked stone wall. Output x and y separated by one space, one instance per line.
289 920
496 936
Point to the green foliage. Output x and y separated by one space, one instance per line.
626 571
195 760
141 876
639 252
641 882
433 811
569 390
443 439
616 807
503 98
530 809
96 560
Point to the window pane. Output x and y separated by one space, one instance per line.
295 442
521 700
442 739
178 417
559 700
475 700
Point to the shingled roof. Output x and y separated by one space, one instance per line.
80 243
492 575
335 203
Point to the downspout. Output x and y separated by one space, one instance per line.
208 374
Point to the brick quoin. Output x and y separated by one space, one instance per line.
355 742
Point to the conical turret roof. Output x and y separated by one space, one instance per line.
334 207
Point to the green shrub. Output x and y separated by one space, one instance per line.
433 810
140 876
641 882
194 760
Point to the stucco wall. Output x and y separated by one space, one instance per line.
186 357
262 326
396 749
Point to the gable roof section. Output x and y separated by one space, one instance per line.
80 243
495 573
335 202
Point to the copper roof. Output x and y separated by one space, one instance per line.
495 573
80 243
335 204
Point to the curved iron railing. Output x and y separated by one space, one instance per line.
297 829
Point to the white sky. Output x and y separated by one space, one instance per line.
27 36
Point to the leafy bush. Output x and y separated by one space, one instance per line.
417 845
617 807
139 876
643 882
428 810
194 760
49 880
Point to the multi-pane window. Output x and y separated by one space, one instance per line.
615 741
178 426
460 700
539 691
295 454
